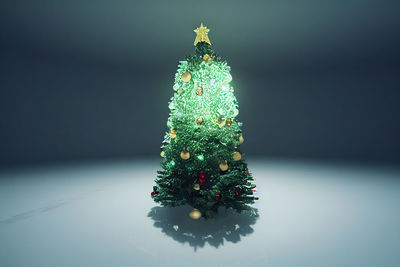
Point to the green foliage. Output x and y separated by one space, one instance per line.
216 138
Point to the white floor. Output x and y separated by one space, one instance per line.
310 214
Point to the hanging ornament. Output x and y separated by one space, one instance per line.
200 157
237 156
186 77
236 192
202 175
173 133
199 121
171 164
199 91
154 190
220 121
228 122
162 154
185 154
223 166
218 196
207 58
246 171
179 91
195 214
256 198
241 139
196 187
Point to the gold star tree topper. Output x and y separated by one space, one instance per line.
202 34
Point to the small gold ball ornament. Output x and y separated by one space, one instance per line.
186 77
195 214
228 122
185 154
237 156
173 133
199 91
223 166
241 139
196 187
199 121
207 58
162 154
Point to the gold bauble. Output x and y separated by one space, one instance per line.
162 154
173 133
223 166
207 58
196 187
199 121
199 90
237 156
228 122
185 154
186 77
241 139
195 214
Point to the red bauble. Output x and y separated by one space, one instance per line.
154 192
218 196
201 180
236 193
202 175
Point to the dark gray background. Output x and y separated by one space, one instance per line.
92 79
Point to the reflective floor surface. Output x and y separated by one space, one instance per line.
101 214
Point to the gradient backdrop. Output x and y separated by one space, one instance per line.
92 79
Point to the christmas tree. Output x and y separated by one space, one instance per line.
203 165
